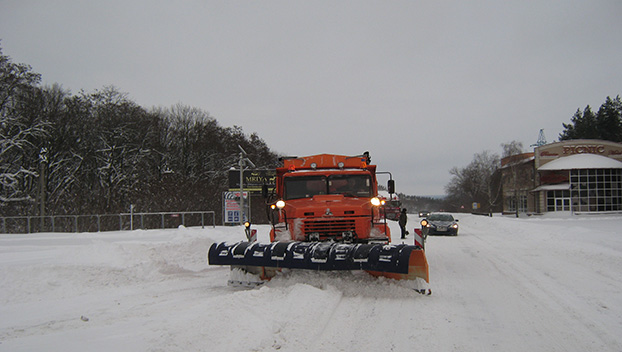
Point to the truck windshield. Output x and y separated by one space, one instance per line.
309 186
350 185
304 187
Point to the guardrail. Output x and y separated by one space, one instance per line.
106 222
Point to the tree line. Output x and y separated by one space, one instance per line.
99 152
480 181
605 124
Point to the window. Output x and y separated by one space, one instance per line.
596 190
308 186
558 200
522 203
304 187
441 217
350 185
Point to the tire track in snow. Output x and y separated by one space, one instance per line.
544 302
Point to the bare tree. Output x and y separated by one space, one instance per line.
475 183
103 151
20 134
488 165
511 149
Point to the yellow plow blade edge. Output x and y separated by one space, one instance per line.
417 268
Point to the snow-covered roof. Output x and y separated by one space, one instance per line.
582 161
559 187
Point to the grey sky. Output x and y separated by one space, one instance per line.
422 85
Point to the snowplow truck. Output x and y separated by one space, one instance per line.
326 215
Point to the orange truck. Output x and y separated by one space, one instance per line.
325 214
392 205
327 198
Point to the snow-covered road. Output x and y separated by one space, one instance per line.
504 284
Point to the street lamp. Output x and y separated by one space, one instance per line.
242 163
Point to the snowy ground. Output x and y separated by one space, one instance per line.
504 284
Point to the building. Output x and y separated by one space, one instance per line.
579 176
518 177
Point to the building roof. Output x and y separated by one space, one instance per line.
582 161
558 187
517 159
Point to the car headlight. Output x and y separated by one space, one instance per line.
455 226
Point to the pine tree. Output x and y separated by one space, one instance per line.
582 126
609 120
606 124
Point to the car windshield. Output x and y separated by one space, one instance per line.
441 217
309 186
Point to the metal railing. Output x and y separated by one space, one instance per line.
106 222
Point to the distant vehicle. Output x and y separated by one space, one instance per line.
392 205
439 224
424 213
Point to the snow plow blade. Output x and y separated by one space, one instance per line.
400 262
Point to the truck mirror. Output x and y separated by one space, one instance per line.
391 186
264 191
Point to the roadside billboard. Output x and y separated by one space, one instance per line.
231 207
252 180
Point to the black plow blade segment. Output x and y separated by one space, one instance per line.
405 261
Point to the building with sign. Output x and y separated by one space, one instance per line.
579 176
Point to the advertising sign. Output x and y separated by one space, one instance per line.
553 151
253 179
231 207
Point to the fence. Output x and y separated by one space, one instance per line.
106 222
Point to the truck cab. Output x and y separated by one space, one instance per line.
327 197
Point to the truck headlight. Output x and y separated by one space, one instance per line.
280 204
375 201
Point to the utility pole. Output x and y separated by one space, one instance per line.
131 217
242 163
43 159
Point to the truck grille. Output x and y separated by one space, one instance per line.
329 228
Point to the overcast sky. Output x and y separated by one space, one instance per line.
422 85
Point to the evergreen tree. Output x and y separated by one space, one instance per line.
609 120
605 124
